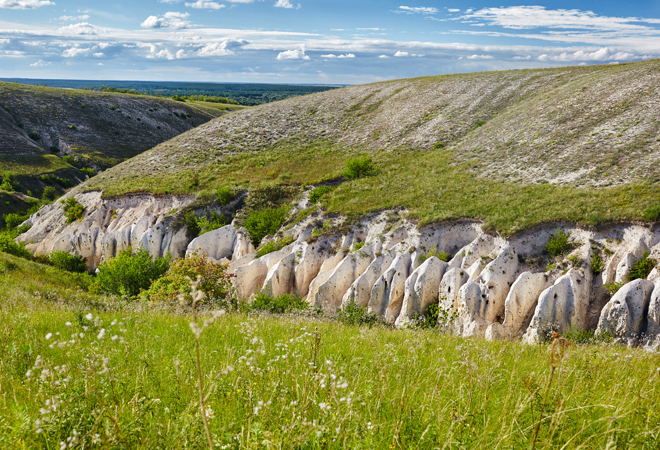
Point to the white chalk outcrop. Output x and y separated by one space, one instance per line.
626 315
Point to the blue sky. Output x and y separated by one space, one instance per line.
313 41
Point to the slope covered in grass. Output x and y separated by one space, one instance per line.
124 375
513 148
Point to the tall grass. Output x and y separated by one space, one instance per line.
91 372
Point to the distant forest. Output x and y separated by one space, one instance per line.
244 93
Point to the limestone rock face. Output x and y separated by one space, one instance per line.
626 314
653 323
421 289
468 255
311 259
521 302
330 293
360 290
250 278
242 244
560 307
451 282
217 244
388 291
280 278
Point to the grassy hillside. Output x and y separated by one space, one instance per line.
99 372
514 148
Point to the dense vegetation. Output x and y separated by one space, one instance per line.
248 94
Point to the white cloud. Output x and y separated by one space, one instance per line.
401 54
293 54
75 51
71 18
174 20
368 29
169 1
416 10
99 54
283 4
223 48
40 63
205 4
24 4
333 56
453 10
480 57
522 58
347 55
383 56
80 29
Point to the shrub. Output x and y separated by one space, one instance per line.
13 220
88 171
558 243
319 192
67 261
225 195
73 210
652 213
613 287
277 305
597 263
9 183
642 268
210 222
34 135
49 194
129 273
264 222
274 246
269 196
359 168
213 280
352 314
429 318
8 245
71 161
442 256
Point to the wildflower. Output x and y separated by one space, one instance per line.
324 407
114 338
89 316
48 336
101 334
69 324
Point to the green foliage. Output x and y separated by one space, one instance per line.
71 161
88 171
281 304
357 246
274 245
225 195
262 223
614 286
269 197
319 192
49 194
642 268
352 314
213 281
652 213
558 244
9 183
597 263
13 220
587 337
129 273
34 135
359 168
442 256
210 221
67 261
8 245
73 210
429 318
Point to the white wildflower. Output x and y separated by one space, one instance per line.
48 336
101 334
89 316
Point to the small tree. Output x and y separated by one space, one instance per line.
129 273
359 168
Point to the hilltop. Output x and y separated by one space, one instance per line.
576 143
41 125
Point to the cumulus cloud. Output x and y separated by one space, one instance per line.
205 4
24 4
40 63
453 10
75 51
79 29
383 56
333 56
174 20
601 55
402 54
223 48
293 54
284 4
417 10
480 57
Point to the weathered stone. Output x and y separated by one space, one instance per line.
360 290
389 289
521 302
451 282
421 289
250 278
280 278
242 245
625 315
330 293
217 244
311 259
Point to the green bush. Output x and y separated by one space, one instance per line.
73 210
88 171
652 213
71 161
67 261
614 286
9 183
642 268
359 168
275 245
558 243
352 314
442 256
13 220
129 273
225 195
429 318
210 222
49 194
264 222
8 245
213 280
277 305
34 135
597 263
319 192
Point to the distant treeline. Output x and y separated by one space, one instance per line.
241 93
